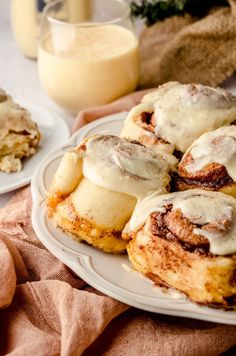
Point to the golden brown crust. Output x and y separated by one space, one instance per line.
52 201
173 250
19 135
84 229
170 256
3 96
218 184
227 302
210 172
212 177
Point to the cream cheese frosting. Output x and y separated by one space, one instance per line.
121 166
202 208
218 146
183 112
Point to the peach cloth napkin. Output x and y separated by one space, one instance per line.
46 310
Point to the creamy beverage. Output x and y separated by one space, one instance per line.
24 22
26 17
89 65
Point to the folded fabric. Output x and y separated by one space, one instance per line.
46 310
190 50
123 104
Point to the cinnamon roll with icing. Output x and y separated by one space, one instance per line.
174 115
187 240
96 187
209 163
19 134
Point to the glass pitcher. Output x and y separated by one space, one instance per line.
26 17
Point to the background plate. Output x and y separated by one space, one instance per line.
108 273
54 133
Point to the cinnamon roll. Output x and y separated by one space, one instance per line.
187 240
209 163
19 135
174 115
96 187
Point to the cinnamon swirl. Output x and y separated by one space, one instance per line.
209 163
96 187
174 115
187 240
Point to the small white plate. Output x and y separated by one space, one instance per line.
54 133
110 274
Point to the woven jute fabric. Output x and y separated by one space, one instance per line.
190 50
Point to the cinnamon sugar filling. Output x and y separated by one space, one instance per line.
214 177
147 121
173 226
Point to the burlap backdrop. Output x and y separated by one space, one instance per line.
190 50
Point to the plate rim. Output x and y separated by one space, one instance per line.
56 117
78 264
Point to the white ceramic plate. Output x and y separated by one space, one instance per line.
54 132
109 274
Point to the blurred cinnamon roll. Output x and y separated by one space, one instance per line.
19 134
96 187
209 163
187 240
174 115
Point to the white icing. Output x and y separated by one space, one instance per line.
119 165
183 112
139 109
202 208
133 130
218 146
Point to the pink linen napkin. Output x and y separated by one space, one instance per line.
46 310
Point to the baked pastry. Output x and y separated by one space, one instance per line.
96 187
19 135
187 240
209 163
174 115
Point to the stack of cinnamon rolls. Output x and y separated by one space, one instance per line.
164 191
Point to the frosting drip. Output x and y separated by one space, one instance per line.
213 214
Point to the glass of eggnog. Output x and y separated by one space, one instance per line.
88 53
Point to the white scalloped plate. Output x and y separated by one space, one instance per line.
108 273
54 132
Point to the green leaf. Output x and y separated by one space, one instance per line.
154 10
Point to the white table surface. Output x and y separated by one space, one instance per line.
18 75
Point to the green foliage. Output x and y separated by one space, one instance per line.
154 10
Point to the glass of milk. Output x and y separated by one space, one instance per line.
88 55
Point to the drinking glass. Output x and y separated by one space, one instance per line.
88 52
